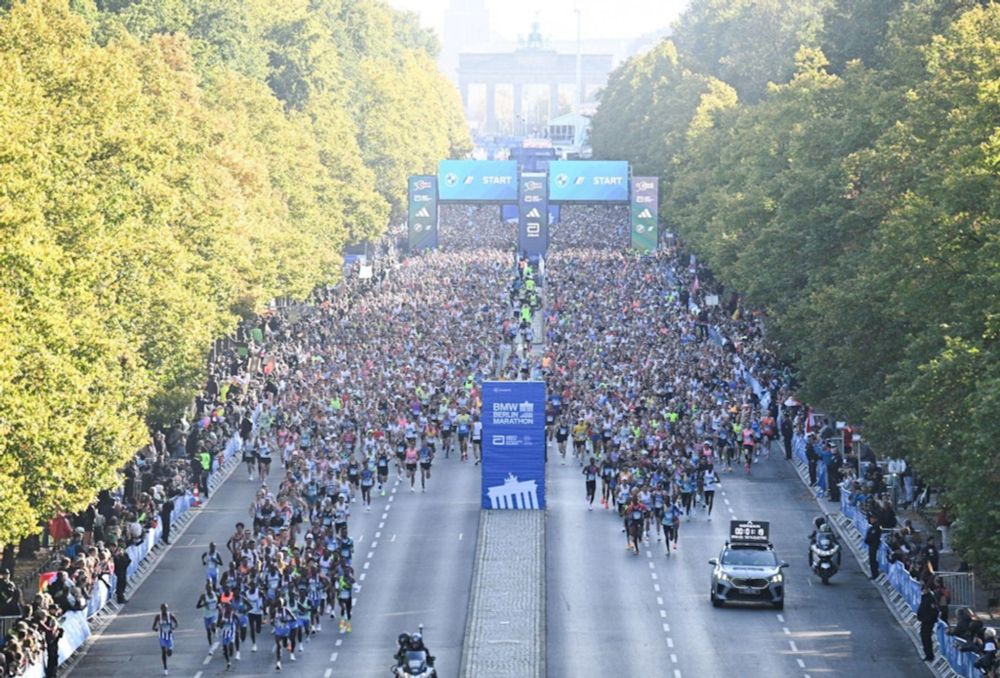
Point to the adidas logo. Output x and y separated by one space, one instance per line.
534 213
645 214
422 212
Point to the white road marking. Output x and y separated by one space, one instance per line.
663 614
460 536
802 664
370 554
384 516
656 587
374 544
673 658
649 554
670 642
378 534
390 500
791 644
367 564
197 675
340 641
785 629
781 618
653 575
651 566
393 538
381 525
666 627
328 673
362 577
659 600
333 656
207 659
727 501
677 673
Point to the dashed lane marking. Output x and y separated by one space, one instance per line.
333 656
673 658
791 644
801 663
328 673
670 642
786 630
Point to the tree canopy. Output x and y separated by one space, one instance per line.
167 166
857 201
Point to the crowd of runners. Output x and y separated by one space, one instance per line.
352 403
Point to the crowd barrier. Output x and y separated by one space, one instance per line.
909 590
75 625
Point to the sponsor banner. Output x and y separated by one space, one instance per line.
533 215
645 209
477 180
422 212
513 445
509 213
588 181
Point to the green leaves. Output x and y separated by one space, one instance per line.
157 183
859 205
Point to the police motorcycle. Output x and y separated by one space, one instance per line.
412 657
824 550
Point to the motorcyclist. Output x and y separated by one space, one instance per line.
822 527
411 643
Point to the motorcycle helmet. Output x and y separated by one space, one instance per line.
416 640
819 522
825 528
403 639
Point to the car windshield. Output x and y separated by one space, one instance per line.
749 557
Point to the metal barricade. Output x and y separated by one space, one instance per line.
962 587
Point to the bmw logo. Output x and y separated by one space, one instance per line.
562 180
451 179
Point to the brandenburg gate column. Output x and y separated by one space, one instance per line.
553 99
518 108
491 107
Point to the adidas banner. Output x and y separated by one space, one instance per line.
533 214
423 213
645 208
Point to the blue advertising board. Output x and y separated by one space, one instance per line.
513 445
477 180
588 181
511 213
533 210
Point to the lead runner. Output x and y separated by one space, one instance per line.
165 622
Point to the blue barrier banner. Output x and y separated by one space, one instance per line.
513 445
533 215
588 181
422 213
645 209
477 180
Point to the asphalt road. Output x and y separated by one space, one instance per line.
611 613
413 556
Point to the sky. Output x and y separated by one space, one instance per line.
599 18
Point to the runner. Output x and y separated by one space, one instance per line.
209 601
590 472
165 623
228 624
426 458
263 459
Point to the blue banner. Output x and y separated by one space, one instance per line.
588 181
533 215
513 445
509 213
422 213
477 180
